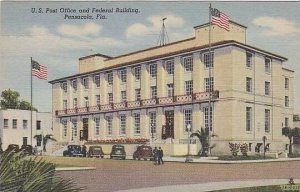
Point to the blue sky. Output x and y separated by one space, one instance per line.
58 43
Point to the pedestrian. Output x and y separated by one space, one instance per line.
83 150
155 155
160 156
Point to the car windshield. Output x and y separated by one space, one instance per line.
146 148
77 148
118 147
96 148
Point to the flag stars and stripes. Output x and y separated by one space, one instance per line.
38 70
220 19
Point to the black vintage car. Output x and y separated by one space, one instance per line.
118 151
13 148
95 151
143 152
26 150
73 151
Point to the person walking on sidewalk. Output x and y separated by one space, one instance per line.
155 155
160 156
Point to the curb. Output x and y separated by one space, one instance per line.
74 168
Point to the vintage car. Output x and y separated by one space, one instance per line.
26 150
13 148
73 151
143 152
118 151
95 151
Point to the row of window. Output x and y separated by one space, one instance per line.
187 115
24 125
249 119
153 93
249 62
169 67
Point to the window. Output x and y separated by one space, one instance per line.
97 99
65 104
152 117
267 120
249 84
170 67
123 124
137 94
65 128
137 72
286 121
208 118
5 123
153 70
75 103
187 118
109 125
123 75
97 126
208 59
74 127
110 98
170 88
97 80
267 88
249 60
74 84
38 125
65 87
86 101
286 101
25 124
209 84
248 118
189 87
137 122
286 83
110 78
14 123
38 140
123 96
188 63
267 65
85 82
153 92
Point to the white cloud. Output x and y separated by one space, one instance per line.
276 26
154 25
80 30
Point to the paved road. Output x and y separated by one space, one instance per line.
113 175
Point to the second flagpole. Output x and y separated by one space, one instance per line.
31 101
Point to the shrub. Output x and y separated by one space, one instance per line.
244 149
234 148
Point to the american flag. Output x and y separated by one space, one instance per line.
38 70
219 18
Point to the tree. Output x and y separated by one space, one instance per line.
291 133
45 139
10 100
22 174
203 136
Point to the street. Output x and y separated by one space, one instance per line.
112 175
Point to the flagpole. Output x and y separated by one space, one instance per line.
210 82
31 101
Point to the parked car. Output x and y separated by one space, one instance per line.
95 151
73 151
143 152
118 151
26 150
14 148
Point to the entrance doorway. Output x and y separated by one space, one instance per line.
169 128
84 132
25 140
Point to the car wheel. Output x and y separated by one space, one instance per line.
145 159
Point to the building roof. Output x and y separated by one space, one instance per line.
98 54
207 24
192 49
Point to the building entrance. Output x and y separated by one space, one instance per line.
168 129
84 134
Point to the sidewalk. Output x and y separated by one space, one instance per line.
213 186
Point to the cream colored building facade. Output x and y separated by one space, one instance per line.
165 88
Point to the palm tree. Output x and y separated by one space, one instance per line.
291 133
203 136
22 174
45 139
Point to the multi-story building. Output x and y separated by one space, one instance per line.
156 92
15 127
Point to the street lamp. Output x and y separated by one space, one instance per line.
264 140
188 157
151 131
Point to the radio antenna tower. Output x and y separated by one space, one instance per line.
163 36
